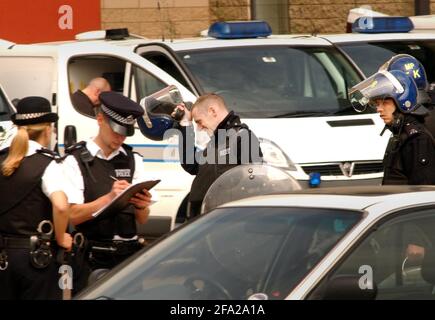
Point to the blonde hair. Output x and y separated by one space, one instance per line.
20 146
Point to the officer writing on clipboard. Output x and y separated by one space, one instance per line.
92 168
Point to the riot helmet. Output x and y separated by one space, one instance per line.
245 181
394 84
158 108
412 67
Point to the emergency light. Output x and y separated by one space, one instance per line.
382 25
314 179
239 29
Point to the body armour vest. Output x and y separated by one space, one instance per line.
24 205
122 167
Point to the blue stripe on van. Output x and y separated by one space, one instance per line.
144 145
161 160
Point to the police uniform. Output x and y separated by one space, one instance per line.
410 154
25 203
111 239
224 152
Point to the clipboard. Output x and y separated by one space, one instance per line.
122 200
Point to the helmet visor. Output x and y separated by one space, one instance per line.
381 85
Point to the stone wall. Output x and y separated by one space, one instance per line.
187 18
330 16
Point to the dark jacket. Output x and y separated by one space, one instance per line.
238 146
410 154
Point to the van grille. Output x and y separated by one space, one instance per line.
333 169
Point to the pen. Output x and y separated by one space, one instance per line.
113 178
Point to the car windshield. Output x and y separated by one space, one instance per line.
230 253
275 81
379 52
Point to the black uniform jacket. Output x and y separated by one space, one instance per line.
239 145
410 155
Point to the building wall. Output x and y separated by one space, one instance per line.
187 18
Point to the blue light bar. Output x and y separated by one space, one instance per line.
239 29
314 179
382 25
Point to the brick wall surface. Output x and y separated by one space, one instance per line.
187 18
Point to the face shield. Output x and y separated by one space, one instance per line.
381 85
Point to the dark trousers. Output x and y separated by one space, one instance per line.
194 209
22 281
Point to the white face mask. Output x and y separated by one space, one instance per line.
202 137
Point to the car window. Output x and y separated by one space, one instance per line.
399 256
379 52
231 254
274 81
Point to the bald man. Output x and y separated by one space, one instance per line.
87 99
232 143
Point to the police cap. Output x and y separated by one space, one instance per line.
120 111
33 110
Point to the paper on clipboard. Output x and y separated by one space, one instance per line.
122 200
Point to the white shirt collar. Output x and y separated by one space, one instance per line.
33 147
96 151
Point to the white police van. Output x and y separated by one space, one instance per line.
291 90
385 37
6 126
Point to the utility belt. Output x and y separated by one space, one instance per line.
41 246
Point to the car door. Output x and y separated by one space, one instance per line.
6 126
397 255
166 59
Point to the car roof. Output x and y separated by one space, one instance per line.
207 42
360 37
353 198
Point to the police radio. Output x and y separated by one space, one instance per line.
40 245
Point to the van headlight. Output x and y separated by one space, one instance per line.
273 155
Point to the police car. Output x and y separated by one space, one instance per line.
329 243
291 90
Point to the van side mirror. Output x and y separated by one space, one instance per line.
69 136
348 287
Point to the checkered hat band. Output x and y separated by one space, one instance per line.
27 116
124 120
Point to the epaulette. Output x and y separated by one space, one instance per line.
48 152
74 147
412 128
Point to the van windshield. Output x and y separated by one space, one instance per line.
423 50
275 81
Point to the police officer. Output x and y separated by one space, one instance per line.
98 170
32 200
410 154
232 143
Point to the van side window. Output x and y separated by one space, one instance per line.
5 111
146 83
81 70
164 63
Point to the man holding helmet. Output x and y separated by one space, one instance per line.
410 154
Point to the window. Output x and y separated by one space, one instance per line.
379 52
275 81
5 111
81 70
399 253
275 12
